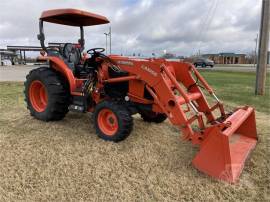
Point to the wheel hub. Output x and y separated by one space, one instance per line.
107 122
38 96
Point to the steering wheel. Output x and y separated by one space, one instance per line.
94 51
97 52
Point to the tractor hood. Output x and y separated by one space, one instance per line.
73 17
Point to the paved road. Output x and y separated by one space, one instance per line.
235 68
18 73
15 73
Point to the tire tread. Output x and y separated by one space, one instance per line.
124 117
57 92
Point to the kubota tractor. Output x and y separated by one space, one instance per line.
114 88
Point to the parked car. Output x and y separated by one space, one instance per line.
203 62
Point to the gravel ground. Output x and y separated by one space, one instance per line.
66 161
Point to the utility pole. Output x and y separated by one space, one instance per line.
106 34
263 48
110 32
21 57
110 35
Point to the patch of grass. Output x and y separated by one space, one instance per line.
66 161
238 88
11 94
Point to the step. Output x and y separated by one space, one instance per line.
77 108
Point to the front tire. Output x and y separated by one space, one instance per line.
46 94
113 122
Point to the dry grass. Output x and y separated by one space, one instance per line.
66 161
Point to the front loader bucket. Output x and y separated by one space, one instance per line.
224 151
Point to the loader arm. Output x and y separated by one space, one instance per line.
176 88
163 81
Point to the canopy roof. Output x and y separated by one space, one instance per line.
73 17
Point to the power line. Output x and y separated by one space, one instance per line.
203 21
207 19
208 24
212 15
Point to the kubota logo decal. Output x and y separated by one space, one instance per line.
128 63
149 70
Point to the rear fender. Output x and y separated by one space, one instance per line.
60 66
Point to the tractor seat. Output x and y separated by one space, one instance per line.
72 56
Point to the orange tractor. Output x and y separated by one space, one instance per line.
114 88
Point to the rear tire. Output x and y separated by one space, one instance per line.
150 116
46 94
113 122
